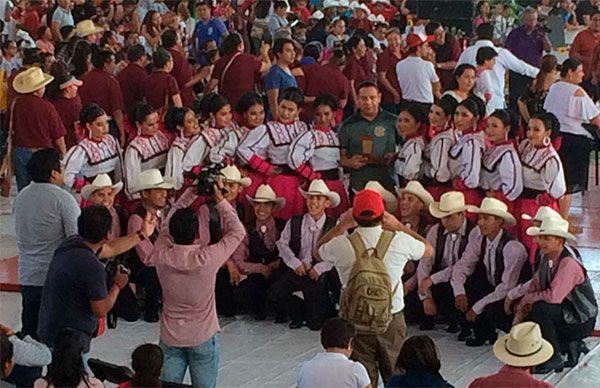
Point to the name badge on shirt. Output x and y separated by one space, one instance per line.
379 131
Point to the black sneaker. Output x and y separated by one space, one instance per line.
464 334
151 318
295 325
453 328
554 364
426 326
280 318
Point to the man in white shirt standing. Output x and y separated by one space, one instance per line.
504 62
377 352
419 83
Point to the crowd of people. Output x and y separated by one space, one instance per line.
296 162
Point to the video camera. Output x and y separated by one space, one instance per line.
207 178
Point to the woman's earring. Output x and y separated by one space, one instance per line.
546 141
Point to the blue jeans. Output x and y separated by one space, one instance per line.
20 158
203 361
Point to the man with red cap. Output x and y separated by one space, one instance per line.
372 258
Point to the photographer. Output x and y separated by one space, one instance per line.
75 294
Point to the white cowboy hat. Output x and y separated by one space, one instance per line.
87 27
386 2
363 7
390 201
542 213
100 182
344 4
523 346
553 227
372 18
71 81
318 15
233 175
353 5
31 80
153 179
330 4
496 208
450 203
265 194
318 187
380 19
416 188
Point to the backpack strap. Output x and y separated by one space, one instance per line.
357 244
384 243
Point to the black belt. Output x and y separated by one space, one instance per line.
285 169
330 175
530 193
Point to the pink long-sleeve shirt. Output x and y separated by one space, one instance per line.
187 275
568 275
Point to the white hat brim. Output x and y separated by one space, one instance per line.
245 182
424 196
88 190
167 184
436 212
334 197
539 357
508 218
278 201
536 231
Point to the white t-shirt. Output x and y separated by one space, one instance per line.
415 77
403 247
332 370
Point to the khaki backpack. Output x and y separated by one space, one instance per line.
367 297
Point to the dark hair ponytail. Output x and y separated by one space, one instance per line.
550 122
508 119
212 103
89 113
175 117
139 112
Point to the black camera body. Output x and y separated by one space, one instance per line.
207 178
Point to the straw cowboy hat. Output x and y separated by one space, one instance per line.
523 346
231 174
416 188
496 208
265 194
318 187
553 227
31 80
389 199
542 213
450 203
153 179
101 181
87 27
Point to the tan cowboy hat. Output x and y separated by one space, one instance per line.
416 188
318 187
87 27
100 182
553 227
450 203
153 179
523 346
265 194
31 80
390 201
232 174
496 208
542 213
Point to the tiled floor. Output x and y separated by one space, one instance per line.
263 354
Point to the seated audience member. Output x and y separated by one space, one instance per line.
261 262
493 263
189 327
147 364
421 365
75 293
449 240
302 272
520 350
560 298
154 192
67 368
22 359
333 366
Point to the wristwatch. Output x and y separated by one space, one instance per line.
141 235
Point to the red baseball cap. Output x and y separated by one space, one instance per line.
415 40
368 205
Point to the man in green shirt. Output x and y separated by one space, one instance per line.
368 141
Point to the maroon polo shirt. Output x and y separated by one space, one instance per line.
36 123
132 79
159 88
387 63
355 71
322 79
68 109
182 72
103 89
239 78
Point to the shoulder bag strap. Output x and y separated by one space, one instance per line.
227 67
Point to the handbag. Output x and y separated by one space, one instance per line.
7 169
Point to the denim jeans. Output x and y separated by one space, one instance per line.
20 158
203 361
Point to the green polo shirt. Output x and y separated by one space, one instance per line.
382 130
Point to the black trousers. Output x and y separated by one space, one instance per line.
477 286
554 328
317 305
517 85
443 295
148 279
126 306
31 299
491 318
226 305
251 293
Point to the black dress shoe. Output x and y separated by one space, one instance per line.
554 364
295 325
260 316
453 328
576 348
280 318
476 341
464 334
426 326
151 318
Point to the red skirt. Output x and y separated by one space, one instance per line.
286 186
472 197
438 190
337 185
